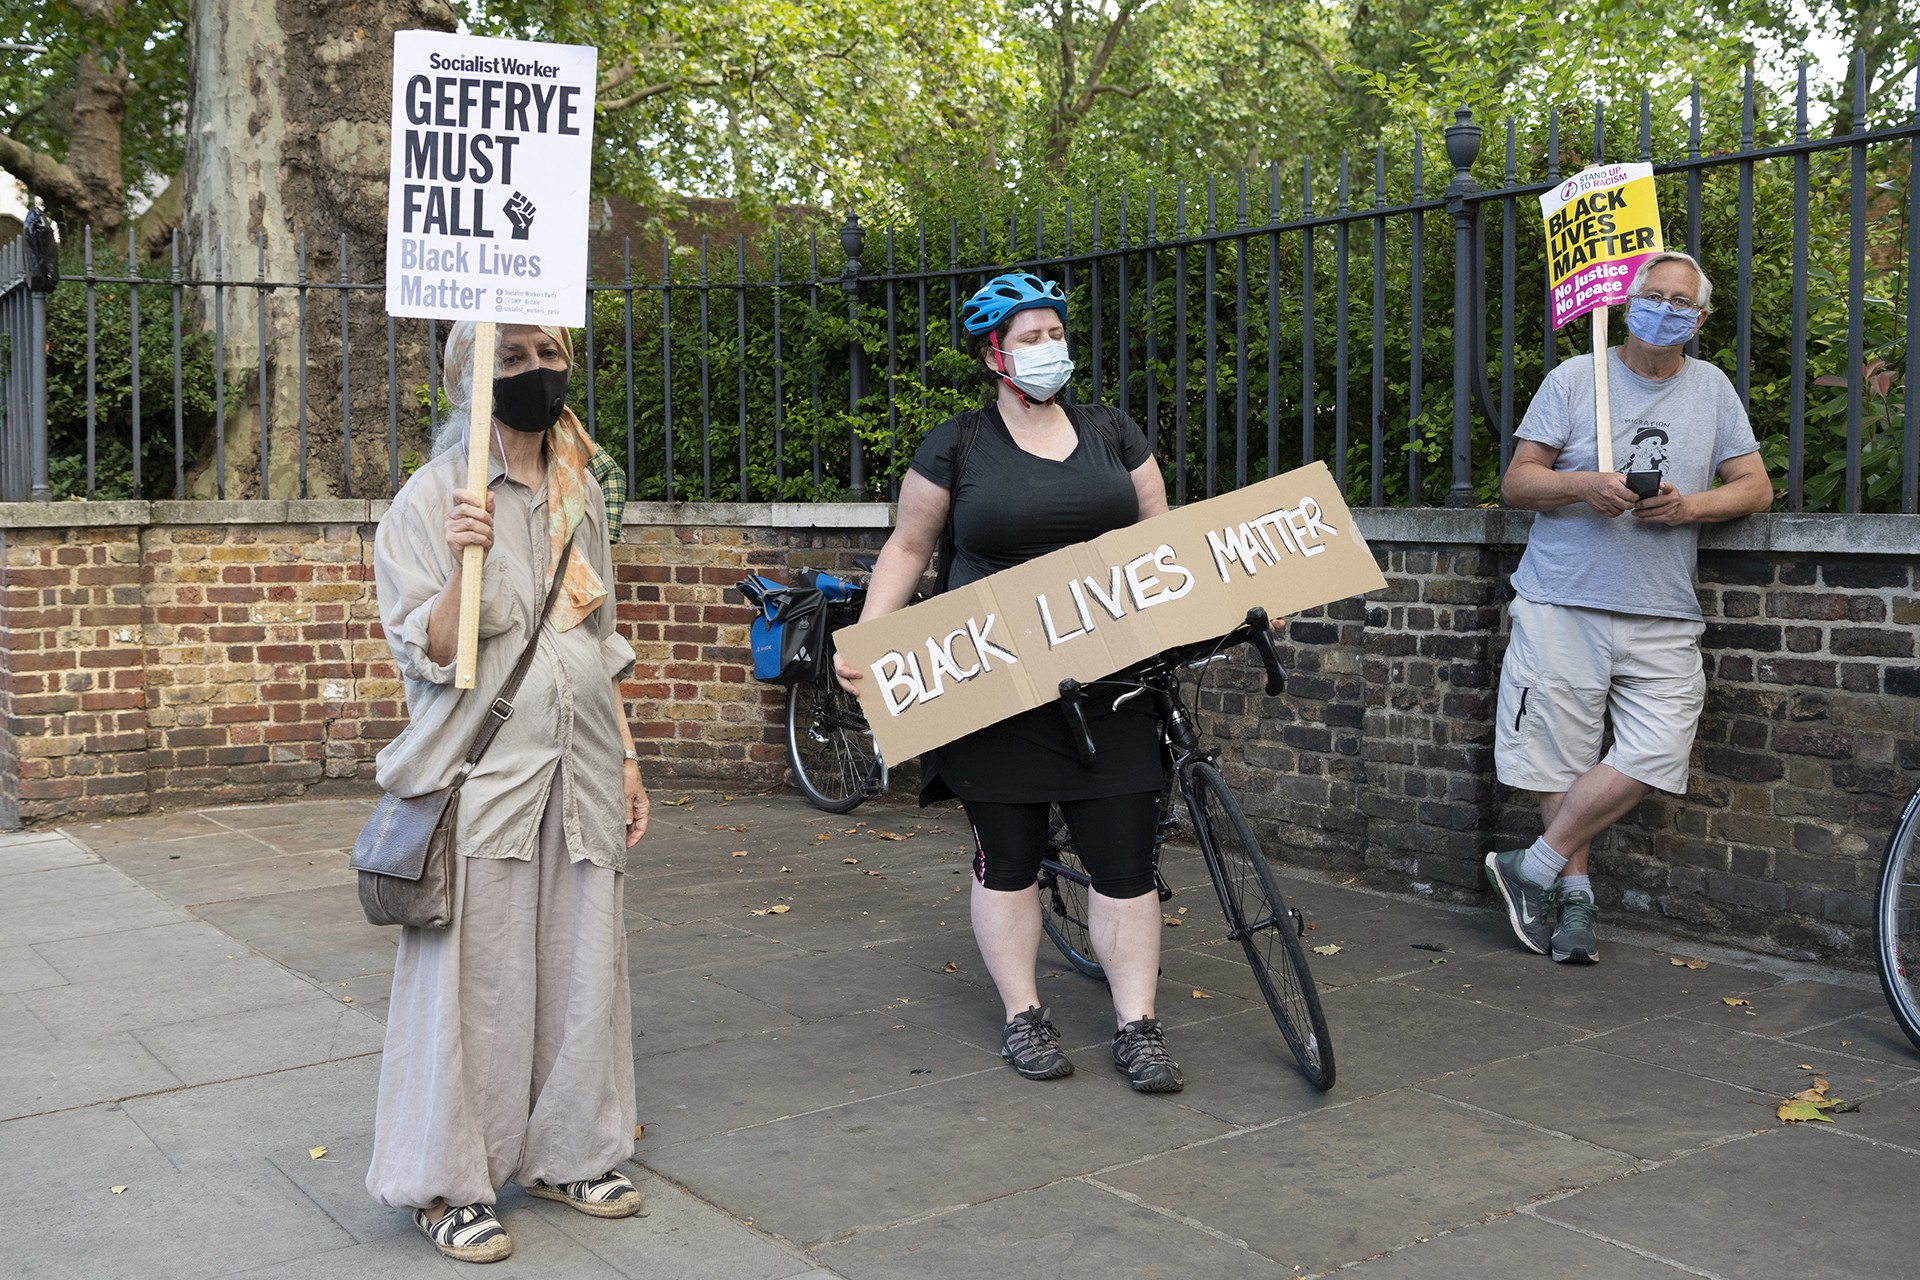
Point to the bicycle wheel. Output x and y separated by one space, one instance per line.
1258 919
1896 922
830 747
1063 900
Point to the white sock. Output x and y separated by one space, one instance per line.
1576 884
1540 864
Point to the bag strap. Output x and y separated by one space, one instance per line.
1101 421
500 710
966 429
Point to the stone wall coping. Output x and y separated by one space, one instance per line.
1874 535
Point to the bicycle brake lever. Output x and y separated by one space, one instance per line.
1073 696
1263 645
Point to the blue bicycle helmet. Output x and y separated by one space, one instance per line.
1002 296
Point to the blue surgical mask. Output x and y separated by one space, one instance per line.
1040 370
1660 324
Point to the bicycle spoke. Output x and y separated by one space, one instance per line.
1259 920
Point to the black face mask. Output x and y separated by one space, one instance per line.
530 401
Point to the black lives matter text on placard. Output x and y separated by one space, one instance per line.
488 180
978 654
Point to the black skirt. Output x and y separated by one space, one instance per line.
1030 758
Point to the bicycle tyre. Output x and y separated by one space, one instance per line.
1063 890
1258 919
1896 922
830 747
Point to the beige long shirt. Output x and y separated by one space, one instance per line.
566 709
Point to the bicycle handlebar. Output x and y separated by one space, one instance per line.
1253 631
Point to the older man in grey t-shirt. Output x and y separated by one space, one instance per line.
1606 625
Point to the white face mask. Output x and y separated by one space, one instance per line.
1040 370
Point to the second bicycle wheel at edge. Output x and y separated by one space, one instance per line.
1257 916
834 761
1896 922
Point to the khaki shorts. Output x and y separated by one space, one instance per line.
1568 671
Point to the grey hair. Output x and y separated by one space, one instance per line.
450 432
1706 286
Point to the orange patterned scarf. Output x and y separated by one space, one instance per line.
568 451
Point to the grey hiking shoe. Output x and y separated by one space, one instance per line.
1528 905
1140 1053
1032 1045
1573 936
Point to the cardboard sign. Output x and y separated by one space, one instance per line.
1602 223
488 179
986 651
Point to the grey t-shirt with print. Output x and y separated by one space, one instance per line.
1684 427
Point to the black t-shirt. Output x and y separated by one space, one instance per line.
1011 506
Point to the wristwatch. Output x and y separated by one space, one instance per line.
632 755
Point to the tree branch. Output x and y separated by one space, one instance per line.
1326 63
47 176
1103 54
651 91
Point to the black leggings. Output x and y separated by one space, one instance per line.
1113 836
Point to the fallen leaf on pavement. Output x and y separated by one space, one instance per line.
871 872
894 835
1438 960
1172 922
1200 995
1678 963
786 871
1180 911
675 804
314 1153
639 1131
1732 1001
949 967
779 908
119 1191
738 853
1330 949
851 862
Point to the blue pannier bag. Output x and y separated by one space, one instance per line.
789 636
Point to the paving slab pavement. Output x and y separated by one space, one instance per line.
191 1006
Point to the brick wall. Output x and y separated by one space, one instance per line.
1378 761
173 653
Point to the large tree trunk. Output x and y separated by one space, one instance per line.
287 138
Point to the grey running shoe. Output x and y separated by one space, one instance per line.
1528 905
1573 936
1140 1053
1032 1045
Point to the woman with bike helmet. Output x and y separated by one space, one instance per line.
1020 477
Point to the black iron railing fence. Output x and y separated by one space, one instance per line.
1245 328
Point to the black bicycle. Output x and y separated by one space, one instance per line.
1258 917
829 744
1896 921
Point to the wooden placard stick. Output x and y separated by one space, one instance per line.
479 431
1602 404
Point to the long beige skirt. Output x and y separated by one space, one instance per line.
509 1048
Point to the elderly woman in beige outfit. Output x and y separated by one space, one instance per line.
509 1049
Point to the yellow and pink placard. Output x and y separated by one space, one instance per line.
1602 223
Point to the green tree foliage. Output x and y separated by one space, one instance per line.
92 108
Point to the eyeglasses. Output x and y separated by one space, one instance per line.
1679 300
